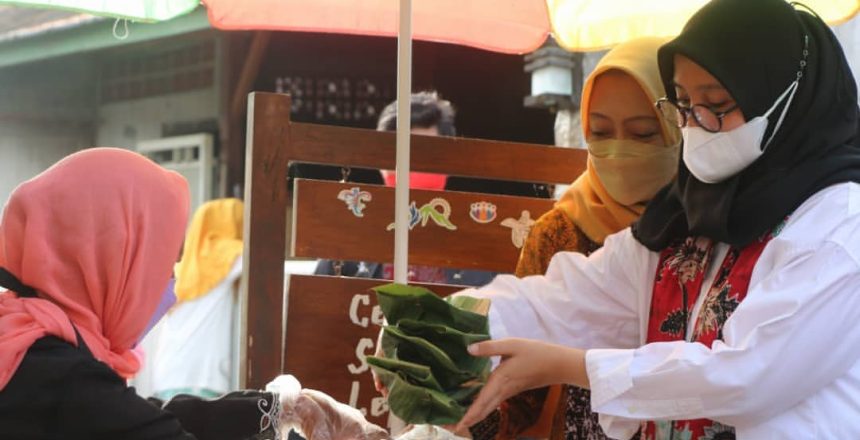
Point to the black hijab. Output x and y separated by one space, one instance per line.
754 48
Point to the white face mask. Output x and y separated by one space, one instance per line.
714 157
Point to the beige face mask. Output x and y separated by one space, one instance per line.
631 171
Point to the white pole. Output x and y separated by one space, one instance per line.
404 119
401 191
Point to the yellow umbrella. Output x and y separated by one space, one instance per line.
586 25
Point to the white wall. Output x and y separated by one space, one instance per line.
123 124
27 149
49 110
46 113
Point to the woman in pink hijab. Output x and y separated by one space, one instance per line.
86 251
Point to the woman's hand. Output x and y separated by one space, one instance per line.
526 364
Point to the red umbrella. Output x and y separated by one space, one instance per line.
509 26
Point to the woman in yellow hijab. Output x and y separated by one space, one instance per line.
195 353
213 243
632 153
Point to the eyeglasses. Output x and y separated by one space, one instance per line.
705 116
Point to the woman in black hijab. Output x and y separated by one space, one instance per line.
815 147
729 310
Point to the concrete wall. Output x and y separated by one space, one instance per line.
50 109
46 112
123 124
33 139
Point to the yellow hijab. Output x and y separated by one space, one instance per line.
213 243
587 202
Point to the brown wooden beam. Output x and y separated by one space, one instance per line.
263 302
250 70
236 102
352 147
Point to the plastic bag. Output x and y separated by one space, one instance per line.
316 416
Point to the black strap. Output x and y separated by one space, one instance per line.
12 283
82 346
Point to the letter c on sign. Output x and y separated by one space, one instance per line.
353 310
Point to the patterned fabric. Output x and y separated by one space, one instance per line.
552 233
521 412
679 280
574 419
487 428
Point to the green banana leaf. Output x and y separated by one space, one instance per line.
410 302
387 369
466 392
430 376
451 341
420 351
419 405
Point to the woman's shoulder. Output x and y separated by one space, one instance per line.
830 215
83 396
41 382
556 221
558 231
50 362
552 233
54 355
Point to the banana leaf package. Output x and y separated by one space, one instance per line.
430 377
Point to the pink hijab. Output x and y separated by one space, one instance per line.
96 235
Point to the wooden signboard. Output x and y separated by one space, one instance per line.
321 340
343 221
333 326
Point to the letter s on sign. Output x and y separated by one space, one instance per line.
363 345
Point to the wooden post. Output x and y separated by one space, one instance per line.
238 83
262 293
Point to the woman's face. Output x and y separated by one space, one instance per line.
620 109
695 86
